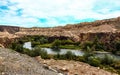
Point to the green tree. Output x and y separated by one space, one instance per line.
18 48
67 42
56 45
34 44
44 54
97 44
87 46
69 55
117 45
94 61
43 40
107 60
87 55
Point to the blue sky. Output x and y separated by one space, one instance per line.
49 13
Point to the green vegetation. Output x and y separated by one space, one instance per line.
107 62
67 43
56 45
95 45
44 41
37 51
68 56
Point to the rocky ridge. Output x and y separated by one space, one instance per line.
107 29
77 32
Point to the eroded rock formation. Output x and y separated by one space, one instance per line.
106 30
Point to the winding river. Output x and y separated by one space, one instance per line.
76 52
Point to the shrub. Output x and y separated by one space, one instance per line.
56 45
44 54
35 44
69 55
43 40
117 45
94 61
37 51
107 60
57 56
17 47
87 46
87 55
67 42
116 65
26 51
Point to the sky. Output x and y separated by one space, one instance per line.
50 13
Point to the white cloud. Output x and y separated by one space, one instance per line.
56 8
56 11
3 2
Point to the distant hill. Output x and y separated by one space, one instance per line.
107 29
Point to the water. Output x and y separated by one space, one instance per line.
76 52
63 51
115 57
27 45
50 51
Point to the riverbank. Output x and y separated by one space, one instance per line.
61 46
73 68
89 46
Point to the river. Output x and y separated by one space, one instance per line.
76 52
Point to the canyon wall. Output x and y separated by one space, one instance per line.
106 30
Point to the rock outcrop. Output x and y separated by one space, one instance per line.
13 63
73 68
9 29
107 29
77 31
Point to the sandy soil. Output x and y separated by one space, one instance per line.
73 67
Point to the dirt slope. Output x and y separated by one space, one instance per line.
74 67
13 63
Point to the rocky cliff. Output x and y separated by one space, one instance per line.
104 29
9 29
107 30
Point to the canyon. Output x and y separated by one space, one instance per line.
106 30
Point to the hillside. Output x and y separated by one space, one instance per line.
74 67
13 63
106 30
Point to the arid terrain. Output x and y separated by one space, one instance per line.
73 67
109 28
13 63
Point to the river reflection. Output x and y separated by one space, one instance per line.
76 52
64 51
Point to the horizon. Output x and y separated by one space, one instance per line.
39 13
